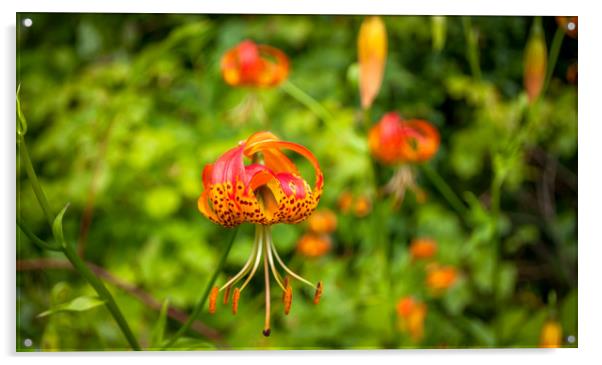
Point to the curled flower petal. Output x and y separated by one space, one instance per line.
393 140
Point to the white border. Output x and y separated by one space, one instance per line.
590 132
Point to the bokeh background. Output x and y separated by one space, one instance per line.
124 111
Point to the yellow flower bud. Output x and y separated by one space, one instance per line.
372 53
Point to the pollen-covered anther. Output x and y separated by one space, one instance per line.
227 295
287 299
235 297
318 294
285 284
213 299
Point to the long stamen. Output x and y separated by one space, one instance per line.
227 295
273 266
266 328
289 271
247 266
255 266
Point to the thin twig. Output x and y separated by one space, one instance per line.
89 208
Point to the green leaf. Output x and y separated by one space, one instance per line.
57 226
79 304
159 327
482 334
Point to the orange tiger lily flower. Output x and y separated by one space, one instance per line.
372 54
551 335
393 140
422 143
322 221
441 278
314 245
264 193
251 64
268 193
411 314
423 248
362 206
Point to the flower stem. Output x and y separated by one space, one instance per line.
70 253
444 189
307 100
472 52
553 57
35 183
35 239
201 303
102 291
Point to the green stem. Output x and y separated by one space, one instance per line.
367 119
35 239
472 51
35 183
444 189
201 303
553 57
307 100
102 291
77 263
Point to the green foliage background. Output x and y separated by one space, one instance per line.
124 111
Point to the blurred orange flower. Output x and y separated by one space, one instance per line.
360 205
571 73
569 24
363 206
535 62
393 140
422 143
439 278
345 201
322 221
250 64
314 245
423 248
372 54
551 335
411 315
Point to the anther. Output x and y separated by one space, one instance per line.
318 294
235 297
267 332
227 294
285 284
213 299
288 299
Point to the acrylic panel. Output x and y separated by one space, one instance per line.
218 182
